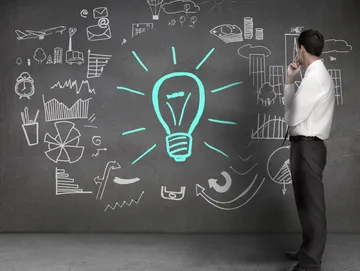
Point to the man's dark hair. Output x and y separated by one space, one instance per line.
312 40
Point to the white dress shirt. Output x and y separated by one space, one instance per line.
309 111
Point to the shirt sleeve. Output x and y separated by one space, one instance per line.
298 106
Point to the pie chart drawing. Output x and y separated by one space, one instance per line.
278 166
64 146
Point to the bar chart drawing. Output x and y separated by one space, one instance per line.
269 128
276 80
66 185
336 76
257 70
96 64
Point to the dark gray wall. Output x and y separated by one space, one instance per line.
28 199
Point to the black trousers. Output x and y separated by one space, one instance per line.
307 163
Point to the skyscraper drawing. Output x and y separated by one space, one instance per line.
257 69
276 79
336 76
58 55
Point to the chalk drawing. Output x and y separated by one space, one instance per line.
96 64
24 86
124 203
102 181
66 185
173 195
73 84
30 127
38 34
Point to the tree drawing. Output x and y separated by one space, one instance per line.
39 55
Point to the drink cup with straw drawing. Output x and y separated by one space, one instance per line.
30 128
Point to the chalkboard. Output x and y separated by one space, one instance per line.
166 116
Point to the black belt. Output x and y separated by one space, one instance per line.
303 138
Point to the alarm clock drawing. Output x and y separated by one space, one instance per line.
24 86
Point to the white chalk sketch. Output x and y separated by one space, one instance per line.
336 46
138 28
180 6
84 13
332 58
259 33
193 20
276 80
66 185
172 22
213 183
237 202
101 182
29 62
278 167
266 94
19 61
96 64
100 12
39 34
64 146
228 33
248 28
244 159
90 126
173 195
96 140
257 69
49 60
123 181
296 29
291 47
336 76
24 86
58 55
243 173
155 7
92 118
247 50
98 152
219 5
73 57
39 55
73 84
269 128
123 41
100 31
182 19
30 127
125 203
55 110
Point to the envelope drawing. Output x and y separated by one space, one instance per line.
100 12
95 33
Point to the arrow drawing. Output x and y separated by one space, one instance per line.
221 188
119 180
235 203
101 182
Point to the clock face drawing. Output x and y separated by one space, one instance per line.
24 86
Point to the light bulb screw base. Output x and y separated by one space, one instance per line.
179 146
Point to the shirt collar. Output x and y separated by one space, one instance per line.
313 66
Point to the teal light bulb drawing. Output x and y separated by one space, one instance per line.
179 136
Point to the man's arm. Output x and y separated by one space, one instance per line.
298 106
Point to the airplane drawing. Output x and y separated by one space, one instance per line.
33 34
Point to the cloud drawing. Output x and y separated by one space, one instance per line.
337 46
178 6
246 50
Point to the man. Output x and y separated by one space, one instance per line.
309 114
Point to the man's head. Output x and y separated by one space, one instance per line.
310 45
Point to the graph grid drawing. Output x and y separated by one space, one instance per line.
276 79
66 185
96 64
269 128
55 110
284 174
257 69
336 76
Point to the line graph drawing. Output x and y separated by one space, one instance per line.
278 169
55 110
276 80
74 84
138 28
66 185
98 152
96 64
269 128
102 181
125 203
336 76
64 146
173 195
